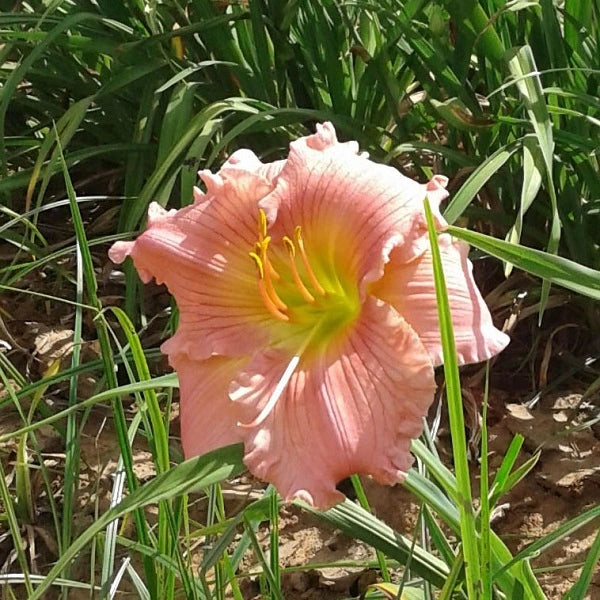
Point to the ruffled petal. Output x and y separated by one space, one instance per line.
409 287
352 409
201 254
352 211
208 417
246 160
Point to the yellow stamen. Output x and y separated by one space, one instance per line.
262 290
297 280
267 274
259 264
258 248
313 279
269 304
262 224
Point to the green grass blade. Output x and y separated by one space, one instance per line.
274 587
532 181
457 423
72 452
14 528
158 435
138 584
66 127
448 591
545 542
517 475
580 588
522 66
556 269
192 474
274 565
23 502
478 179
508 462
433 497
485 550
438 537
360 524
364 502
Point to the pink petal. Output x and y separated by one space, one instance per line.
246 160
208 417
352 409
410 288
201 254
352 211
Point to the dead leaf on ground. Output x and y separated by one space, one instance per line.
53 343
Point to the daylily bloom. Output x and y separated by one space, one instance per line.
308 322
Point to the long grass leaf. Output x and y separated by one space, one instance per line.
580 588
556 269
560 533
532 181
360 524
523 67
457 423
478 179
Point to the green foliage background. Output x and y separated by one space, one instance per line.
123 101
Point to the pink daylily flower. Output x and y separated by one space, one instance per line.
308 321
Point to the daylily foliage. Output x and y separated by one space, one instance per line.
308 321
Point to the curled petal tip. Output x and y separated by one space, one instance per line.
389 476
302 495
321 499
436 188
324 138
213 182
245 159
199 195
119 251
157 212
436 182
445 240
